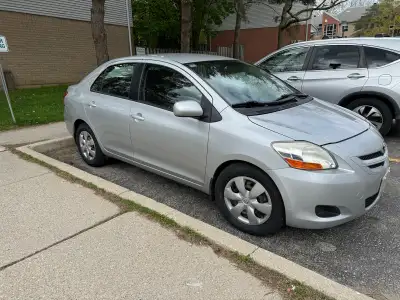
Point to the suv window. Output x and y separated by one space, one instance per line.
115 80
379 57
164 86
336 57
286 60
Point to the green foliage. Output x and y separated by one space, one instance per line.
156 23
379 18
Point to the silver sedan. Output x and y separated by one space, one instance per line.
269 155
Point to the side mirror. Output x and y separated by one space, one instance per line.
188 108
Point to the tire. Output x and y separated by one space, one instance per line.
95 157
382 107
271 222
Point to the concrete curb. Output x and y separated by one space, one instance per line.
220 237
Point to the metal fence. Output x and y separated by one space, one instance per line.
222 51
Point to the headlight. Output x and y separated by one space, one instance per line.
305 155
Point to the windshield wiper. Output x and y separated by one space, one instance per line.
290 97
249 104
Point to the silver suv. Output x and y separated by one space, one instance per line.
361 74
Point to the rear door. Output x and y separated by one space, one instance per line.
335 71
288 64
108 105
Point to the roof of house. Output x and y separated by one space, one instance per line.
115 10
352 14
259 15
332 16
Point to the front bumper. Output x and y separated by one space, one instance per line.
353 188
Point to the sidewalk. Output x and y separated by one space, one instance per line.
59 240
33 134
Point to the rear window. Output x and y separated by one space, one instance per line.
379 57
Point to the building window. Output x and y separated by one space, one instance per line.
330 30
345 27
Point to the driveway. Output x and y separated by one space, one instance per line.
363 254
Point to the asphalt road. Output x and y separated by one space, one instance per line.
363 254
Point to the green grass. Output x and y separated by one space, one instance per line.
32 106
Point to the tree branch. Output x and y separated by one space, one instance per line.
319 7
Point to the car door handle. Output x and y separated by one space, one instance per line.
355 76
92 104
137 117
294 78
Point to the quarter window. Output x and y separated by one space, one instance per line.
163 87
286 60
379 57
336 57
115 80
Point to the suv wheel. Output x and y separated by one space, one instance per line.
375 111
249 200
88 146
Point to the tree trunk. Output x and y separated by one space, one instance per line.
236 37
98 31
186 25
280 37
195 39
281 28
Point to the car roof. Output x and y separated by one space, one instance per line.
182 58
384 42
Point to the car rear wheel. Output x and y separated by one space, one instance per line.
375 111
88 146
249 200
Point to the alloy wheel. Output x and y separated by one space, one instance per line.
87 145
248 200
371 113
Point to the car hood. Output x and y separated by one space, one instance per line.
316 121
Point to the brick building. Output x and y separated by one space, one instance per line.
259 33
51 42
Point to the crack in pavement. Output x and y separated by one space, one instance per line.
2 268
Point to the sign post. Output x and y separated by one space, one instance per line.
4 48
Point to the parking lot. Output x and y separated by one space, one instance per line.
363 254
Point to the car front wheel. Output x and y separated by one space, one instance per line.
375 111
249 200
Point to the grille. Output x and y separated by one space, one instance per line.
370 200
377 165
373 155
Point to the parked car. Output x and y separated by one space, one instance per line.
268 154
361 74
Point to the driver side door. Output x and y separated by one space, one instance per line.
176 146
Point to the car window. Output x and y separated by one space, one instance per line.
379 57
238 82
115 80
336 57
163 87
286 60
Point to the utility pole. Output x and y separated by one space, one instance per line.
128 16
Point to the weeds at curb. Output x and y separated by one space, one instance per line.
288 289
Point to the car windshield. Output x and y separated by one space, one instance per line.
238 82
